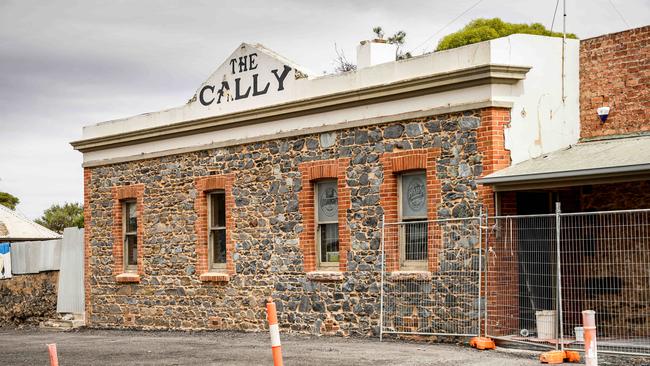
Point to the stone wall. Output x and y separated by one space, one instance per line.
267 255
28 299
614 73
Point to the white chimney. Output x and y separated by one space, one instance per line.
375 52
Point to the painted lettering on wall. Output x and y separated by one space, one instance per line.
249 87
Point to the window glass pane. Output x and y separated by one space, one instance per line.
131 217
328 200
218 213
329 242
414 195
416 241
131 250
218 241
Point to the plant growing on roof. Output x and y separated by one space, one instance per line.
480 30
398 39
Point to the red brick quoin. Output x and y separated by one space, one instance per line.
395 164
312 172
204 186
121 194
87 250
491 145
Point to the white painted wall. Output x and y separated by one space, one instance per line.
540 122
371 53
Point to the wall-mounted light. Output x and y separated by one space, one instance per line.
603 113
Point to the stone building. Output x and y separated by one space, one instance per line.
273 181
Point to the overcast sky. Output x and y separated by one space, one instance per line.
66 64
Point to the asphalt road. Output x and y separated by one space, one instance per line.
112 347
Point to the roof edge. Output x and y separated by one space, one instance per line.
563 175
457 79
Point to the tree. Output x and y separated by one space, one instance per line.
480 30
57 217
8 200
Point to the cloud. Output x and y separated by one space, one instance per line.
66 64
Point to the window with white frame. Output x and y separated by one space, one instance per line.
413 213
130 231
217 230
327 223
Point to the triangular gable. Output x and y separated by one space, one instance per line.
252 75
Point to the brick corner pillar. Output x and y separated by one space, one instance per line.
495 156
87 244
492 147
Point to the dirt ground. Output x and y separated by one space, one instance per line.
112 347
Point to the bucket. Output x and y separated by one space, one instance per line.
580 334
546 324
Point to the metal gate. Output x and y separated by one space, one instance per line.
431 271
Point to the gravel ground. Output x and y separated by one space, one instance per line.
113 347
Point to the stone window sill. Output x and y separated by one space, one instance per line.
128 278
325 276
410 276
214 277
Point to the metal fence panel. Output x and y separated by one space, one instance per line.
430 277
606 268
70 296
521 279
542 271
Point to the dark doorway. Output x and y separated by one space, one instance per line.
536 256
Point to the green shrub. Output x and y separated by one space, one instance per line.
480 30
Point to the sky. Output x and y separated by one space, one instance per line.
67 64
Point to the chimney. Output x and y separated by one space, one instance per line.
375 52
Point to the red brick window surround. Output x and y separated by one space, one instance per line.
312 172
394 165
205 186
122 194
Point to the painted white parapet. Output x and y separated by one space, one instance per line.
256 94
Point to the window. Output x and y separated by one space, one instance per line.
413 214
327 223
130 229
217 230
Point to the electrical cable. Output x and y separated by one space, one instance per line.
446 25
554 14
619 14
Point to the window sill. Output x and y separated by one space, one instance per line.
325 276
128 278
214 277
410 276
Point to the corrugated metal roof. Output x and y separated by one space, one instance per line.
15 226
596 158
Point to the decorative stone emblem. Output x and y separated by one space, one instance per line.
416 194
329 201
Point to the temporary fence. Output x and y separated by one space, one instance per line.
523 279
542 271
430 277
